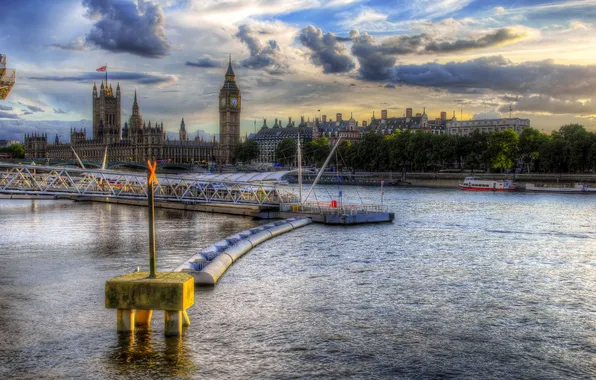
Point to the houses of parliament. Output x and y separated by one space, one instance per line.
138 140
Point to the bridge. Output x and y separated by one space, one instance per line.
97 164
241 191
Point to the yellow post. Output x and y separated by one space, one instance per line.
143 318
173 322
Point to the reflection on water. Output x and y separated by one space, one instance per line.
462 285
152 355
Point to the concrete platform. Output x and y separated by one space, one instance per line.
172 292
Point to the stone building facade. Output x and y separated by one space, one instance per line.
139 140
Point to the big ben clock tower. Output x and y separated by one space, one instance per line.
229 116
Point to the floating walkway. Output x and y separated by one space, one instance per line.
211 263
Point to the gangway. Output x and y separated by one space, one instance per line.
88 183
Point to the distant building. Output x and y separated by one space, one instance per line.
383 114
338 117
466 127
139 141
444 116
7 143
267 137
408 112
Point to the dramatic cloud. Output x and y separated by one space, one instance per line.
267 57
59 110
205 62
377 59
547 104
375 63
7 115
141 78
32 108
5 108
501 75
124 27
327 50
499 37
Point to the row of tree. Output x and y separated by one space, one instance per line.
15 150
570 149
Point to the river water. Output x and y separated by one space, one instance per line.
463 285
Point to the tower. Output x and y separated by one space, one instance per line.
107 111
182 131
229 115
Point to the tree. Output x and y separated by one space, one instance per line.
247 151
285 152
530 143
502 149
15 150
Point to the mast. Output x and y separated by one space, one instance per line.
322 169
299 170
77 157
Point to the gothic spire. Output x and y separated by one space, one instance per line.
230 76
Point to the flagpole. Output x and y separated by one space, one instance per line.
106 75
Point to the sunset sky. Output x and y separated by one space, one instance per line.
292 58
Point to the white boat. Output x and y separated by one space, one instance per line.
560 188
480 184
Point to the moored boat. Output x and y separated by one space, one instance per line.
560 188
480 184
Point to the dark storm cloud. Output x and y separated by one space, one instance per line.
124 27
547 104
32 108
204 62
267 57
327 50
8 115
5 108
59 111
141 78
375 63
498 74
390 85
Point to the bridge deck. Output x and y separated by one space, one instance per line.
88 183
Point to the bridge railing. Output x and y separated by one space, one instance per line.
47 180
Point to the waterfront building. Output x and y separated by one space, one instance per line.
466 127
267 138
139 140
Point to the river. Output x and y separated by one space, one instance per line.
462 285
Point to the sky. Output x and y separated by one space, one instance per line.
474 58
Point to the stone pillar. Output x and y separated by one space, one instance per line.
125 320
173 323
143 318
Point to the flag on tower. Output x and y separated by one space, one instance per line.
103 68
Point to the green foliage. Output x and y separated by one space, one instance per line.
285 152
571 149
247 151
15 150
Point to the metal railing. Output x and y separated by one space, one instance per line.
326 208
74 182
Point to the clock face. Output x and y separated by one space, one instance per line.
234 102
223 101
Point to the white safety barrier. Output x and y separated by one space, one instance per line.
211 263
